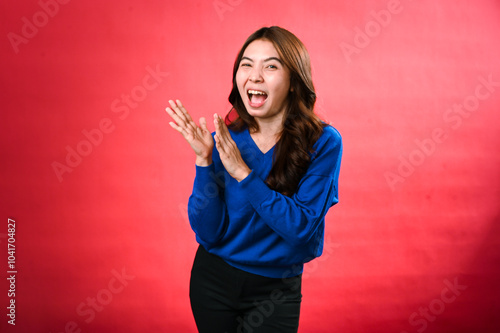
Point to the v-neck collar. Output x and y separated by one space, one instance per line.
270 151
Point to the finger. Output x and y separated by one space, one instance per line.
225 136
176 109
183 109
217 127
203 124
218 143
202 130
186 133
187 117
178 120
224 128
219 146
180 126
182 116
221 139
175 127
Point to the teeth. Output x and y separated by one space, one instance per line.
256 92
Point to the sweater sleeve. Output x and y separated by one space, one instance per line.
296 219
206 206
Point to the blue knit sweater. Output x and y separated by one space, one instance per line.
257 229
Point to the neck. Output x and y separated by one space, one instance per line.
270 127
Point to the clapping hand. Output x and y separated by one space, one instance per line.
198 137
228 151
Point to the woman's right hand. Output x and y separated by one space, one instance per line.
198 137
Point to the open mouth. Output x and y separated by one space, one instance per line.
256 98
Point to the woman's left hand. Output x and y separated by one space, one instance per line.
228 151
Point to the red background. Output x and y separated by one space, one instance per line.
392 248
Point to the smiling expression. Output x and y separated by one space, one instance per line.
263 80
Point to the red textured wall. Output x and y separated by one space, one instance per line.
97 182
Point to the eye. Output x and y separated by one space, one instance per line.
272 67
245 64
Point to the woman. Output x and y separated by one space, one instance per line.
261 194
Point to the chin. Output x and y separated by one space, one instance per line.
259 113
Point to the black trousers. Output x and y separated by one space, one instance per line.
225 299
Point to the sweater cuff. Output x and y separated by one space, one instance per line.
204 175
256 191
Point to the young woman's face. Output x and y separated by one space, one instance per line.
263 81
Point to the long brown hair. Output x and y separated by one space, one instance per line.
301 126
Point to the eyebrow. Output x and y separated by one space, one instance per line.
265 60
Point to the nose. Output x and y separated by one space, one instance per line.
255 75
